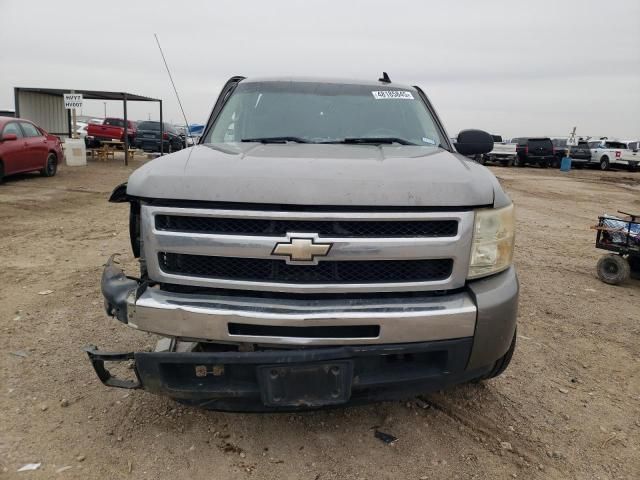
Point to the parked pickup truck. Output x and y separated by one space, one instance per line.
608 153
149 134
110 129
502 152
535 151
324 243
580 153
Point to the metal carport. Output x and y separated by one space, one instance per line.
45 106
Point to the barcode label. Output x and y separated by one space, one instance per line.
392 94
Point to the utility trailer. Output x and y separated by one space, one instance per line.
622 237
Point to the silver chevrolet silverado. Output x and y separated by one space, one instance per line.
325 243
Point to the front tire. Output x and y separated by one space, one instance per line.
604 163
613 269
51 167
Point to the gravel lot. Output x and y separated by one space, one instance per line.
568 407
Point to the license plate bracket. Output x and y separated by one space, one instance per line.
306 385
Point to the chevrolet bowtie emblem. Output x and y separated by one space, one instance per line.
301 249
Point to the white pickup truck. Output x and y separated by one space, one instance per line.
608 153
502 152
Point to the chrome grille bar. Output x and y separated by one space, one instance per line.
343 249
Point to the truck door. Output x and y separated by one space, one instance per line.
596 151
113 129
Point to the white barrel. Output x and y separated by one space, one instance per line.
75 152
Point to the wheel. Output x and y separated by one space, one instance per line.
633 167
544 164
1 171
503 362
509 163
51 167
555 163
604 163
518 162
481 159
613 269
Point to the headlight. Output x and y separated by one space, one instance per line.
493 239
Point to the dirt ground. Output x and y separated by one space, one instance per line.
568 406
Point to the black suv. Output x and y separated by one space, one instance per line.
148 137
534 151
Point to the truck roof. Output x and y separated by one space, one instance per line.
339 81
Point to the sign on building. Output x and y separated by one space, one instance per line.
72 100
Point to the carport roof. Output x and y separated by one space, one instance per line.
92 94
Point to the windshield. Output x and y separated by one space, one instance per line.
324 113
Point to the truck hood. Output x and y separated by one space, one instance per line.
317 174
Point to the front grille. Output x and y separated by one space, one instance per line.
265 270
333 228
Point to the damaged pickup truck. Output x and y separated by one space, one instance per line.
323 244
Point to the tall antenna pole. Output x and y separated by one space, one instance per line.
173 85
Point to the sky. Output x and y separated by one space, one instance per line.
513 68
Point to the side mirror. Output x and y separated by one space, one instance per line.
9 136
474 142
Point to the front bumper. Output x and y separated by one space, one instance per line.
247 319
447 339
231 381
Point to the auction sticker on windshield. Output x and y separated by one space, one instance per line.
398 94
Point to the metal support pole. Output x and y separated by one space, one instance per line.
126 132
74 123
161 131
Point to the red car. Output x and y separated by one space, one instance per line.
25 147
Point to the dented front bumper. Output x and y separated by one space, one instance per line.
419 344
118 290
284 380
247 318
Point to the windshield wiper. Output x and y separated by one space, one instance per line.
373 140
275 140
